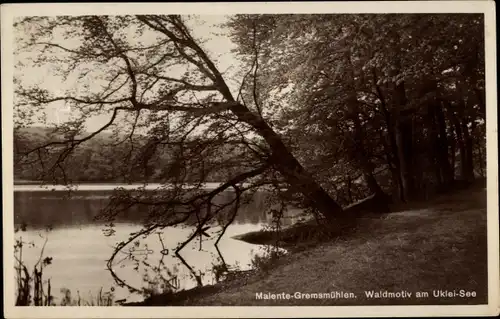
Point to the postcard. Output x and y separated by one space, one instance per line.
274 159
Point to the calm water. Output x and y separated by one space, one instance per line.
80 248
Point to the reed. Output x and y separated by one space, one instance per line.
33 290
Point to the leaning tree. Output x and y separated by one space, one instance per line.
173 114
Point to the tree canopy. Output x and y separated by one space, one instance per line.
329 109
400 94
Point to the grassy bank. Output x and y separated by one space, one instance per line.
440 246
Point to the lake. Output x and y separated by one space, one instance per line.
80 246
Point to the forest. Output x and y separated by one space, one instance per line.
361 104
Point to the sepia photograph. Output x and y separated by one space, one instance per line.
287 158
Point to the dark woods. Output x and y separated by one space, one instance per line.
386 103
328 109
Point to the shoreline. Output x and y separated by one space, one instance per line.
389 245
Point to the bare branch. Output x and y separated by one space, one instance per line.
186 85
233 216
75 142
124 57
178 42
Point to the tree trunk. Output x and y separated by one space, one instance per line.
395 186
405 145
391 148
285 163
461 133
349 192
434 144
468 169
392 156
404 139
362 158
461 148
481 159
461 122
453 148
440 145
446 168
480 100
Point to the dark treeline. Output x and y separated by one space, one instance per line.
103 159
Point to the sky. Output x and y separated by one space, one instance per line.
205 27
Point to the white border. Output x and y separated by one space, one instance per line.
9 11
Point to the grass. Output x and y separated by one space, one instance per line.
440 246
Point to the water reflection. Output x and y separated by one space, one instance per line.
80 249
39 209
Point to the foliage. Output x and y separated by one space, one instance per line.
391 99
326 112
